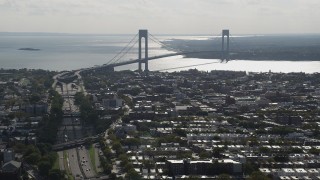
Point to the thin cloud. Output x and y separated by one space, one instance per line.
163 16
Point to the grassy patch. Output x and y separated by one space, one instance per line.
65 162
56 163
66 167
70 177
92 153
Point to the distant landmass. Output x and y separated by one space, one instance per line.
266 47
29 49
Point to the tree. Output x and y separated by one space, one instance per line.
32 154
78 97
264 150
230 100
113 176
271 141
258 175
105 164
216 152
296 150
56 174
44 148
34 98
281 158
51 157
128 166
253 141
314 151
132 142
180 132
193 178
116 145
44 167
148 164
33 158
133 175
204 154
216 138
248 168
224 177
124 159
50 124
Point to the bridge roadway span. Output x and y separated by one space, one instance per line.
150 58
70 144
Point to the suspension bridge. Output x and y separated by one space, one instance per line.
142 39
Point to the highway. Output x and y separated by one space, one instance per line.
86 162
74 163
65 132
70 132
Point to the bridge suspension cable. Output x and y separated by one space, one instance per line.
156 40
122 50
125 53
128 49
218 39
186 66
234 42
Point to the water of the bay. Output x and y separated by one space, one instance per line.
70 52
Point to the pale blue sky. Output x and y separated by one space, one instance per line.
161 16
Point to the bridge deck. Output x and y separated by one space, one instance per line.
151 58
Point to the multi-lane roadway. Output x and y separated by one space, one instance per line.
76 161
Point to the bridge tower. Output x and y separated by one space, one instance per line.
225 52
143 34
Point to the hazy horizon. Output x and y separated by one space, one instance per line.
172 34
161 16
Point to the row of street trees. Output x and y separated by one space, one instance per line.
42 157
50 124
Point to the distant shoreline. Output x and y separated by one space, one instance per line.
258 56
258 48
29 49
